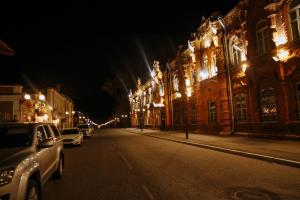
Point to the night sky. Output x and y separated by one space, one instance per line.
95 52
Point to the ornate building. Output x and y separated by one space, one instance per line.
240 72
148 101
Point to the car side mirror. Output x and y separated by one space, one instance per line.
46 143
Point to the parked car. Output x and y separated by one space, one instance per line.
86 130
30 154
72 136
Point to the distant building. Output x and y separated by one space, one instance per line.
62 108
24 105
148 101
10 102
18 104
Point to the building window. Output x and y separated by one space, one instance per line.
204 72
298 99
161 90
294 17
212 110
214 68
268 104
235 51
241 107
263 37
175 84
194 113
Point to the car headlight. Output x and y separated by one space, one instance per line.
6 175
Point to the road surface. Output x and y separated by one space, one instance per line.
116 164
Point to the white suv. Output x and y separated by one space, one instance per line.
29 155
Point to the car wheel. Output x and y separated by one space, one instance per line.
59 171
33 190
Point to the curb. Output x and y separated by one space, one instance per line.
282 161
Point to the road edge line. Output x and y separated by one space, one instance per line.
282 161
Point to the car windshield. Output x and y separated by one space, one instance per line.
69 131
83 126
11 137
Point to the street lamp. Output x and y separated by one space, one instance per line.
141 111
42 97
188 93
222 23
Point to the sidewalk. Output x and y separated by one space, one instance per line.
273 150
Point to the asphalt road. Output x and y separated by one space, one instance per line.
116 164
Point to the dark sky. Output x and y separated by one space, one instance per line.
95 51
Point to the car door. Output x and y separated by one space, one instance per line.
52 150
44 156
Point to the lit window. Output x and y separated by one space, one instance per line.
294 17
268 104
263 37
162 90
204 70
235 51
240 107
175 84
298 99
212 111
214 68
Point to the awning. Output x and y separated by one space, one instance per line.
5 50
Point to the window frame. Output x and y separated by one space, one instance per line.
241 113
297 20
273 116
263 43
212 116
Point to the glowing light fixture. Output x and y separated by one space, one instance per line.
178 95
244 67
42 97
279 38
152 74
56 121
189 91
282 54
207 43
27 96
187 82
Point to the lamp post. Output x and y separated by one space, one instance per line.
229 87
141 111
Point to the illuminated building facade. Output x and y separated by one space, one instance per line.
62 108
20 105
239 73
148 101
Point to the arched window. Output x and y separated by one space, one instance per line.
294 18
212 111
298 99
213 68
263 37
162 90
175 84
241 107
268 104
204 73
235 51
